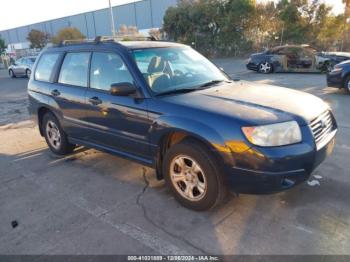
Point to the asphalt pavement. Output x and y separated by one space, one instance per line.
94 203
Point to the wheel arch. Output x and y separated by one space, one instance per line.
345 77
176 130
41 113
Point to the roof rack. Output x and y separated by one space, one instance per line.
125 37
117 38
76 41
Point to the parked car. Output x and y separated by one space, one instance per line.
22 67
295 58
168 107
340 76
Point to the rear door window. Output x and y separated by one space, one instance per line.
75 68
45 67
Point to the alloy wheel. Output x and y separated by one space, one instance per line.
53 135
188 178
265 68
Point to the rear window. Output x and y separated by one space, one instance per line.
74 70
45 67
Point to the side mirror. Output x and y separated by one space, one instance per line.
123 89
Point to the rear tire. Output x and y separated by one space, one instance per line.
54 135
12 74
193 175
265 68
347 84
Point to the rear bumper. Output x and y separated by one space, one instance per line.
244 180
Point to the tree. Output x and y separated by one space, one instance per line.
2 45
38 39
233 27
266 27
68 33
213 26
331 32
156 33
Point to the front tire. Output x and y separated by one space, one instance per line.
12 74
28 73
193 176
54 135
265 68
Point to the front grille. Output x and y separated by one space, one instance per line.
322 126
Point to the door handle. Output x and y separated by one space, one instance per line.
95 100
55 92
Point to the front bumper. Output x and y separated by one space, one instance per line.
335 80
246 180
252 66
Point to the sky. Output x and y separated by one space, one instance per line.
14 13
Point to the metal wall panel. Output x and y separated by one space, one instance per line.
159 8
143 14
90 22
102 22
37 26
5 35
78 21
13 36
22 33
48 28
124 15
58 24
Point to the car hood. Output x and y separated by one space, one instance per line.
254 103
344 63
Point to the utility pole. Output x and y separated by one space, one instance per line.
112 18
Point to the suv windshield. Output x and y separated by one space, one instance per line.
176 69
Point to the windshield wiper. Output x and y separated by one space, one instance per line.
177 91
210 83
187 90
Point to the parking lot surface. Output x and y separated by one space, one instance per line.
94 203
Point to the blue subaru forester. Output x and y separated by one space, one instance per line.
168 107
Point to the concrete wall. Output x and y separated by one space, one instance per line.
143 14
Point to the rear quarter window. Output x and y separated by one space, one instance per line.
45 67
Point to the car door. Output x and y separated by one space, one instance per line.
308 59
279 59
17 67
116 122
69 92
293 55
24 66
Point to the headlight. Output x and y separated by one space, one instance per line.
336 70
273 135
